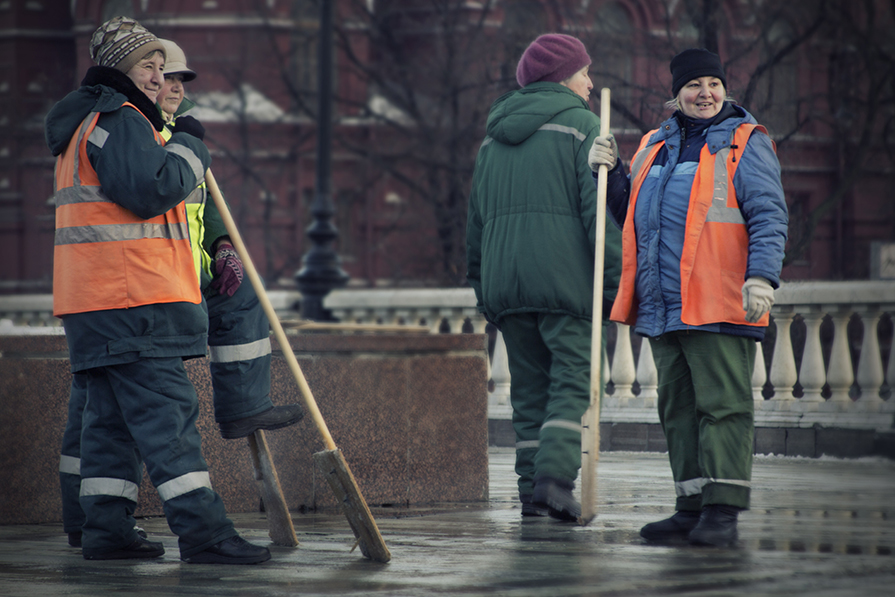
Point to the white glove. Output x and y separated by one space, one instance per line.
758 298
604 152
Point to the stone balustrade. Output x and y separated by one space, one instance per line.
827 361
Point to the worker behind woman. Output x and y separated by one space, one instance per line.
125 286
238 330
704 232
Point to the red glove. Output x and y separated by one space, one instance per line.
228 267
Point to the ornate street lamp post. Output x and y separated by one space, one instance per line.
322 271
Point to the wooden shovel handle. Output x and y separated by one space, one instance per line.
279 334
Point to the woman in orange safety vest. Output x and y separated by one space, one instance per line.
704 224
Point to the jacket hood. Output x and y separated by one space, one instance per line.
515 116
102 90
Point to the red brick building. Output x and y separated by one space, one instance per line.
413 81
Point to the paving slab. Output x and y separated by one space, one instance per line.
822 527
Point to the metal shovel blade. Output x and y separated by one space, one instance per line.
335 469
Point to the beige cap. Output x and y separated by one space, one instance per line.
175 61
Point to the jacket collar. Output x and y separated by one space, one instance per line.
120 82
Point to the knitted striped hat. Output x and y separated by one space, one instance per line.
121 42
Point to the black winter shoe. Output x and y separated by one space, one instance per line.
717 526
141 548
273 418
529 509
234 550
556 496
676 527
74 539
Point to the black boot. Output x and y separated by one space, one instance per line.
234 550
141 548
529 509
717 526
273 418
556 496
676 527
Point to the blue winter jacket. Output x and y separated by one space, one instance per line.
661 213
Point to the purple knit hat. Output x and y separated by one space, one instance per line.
552 57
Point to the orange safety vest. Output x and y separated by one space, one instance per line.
106 257
716 242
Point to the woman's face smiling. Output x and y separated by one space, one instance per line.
148 74
702 98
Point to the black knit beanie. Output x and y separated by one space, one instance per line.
692 64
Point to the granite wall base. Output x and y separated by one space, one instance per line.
408 411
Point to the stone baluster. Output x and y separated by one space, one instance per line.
890 370
499 406
759 377
606 373
812 375
647 375
433 320
622 371
870 364
840 375
783 364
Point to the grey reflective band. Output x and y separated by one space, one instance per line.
192 160
718 211
558 128
637 164
233 353
532 443
487 141
80 194
98 136
184 484
108 486
74 235
689 487
69 465
694 486
197 197
77 157
570 425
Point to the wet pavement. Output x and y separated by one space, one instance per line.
823 527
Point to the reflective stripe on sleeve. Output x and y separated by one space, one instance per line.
194 162
98 136
70 465
532 443
183 484
558 128
239 352
110 487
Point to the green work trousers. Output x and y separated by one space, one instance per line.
549 362
707 414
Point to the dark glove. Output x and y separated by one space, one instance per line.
228 267
190 126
